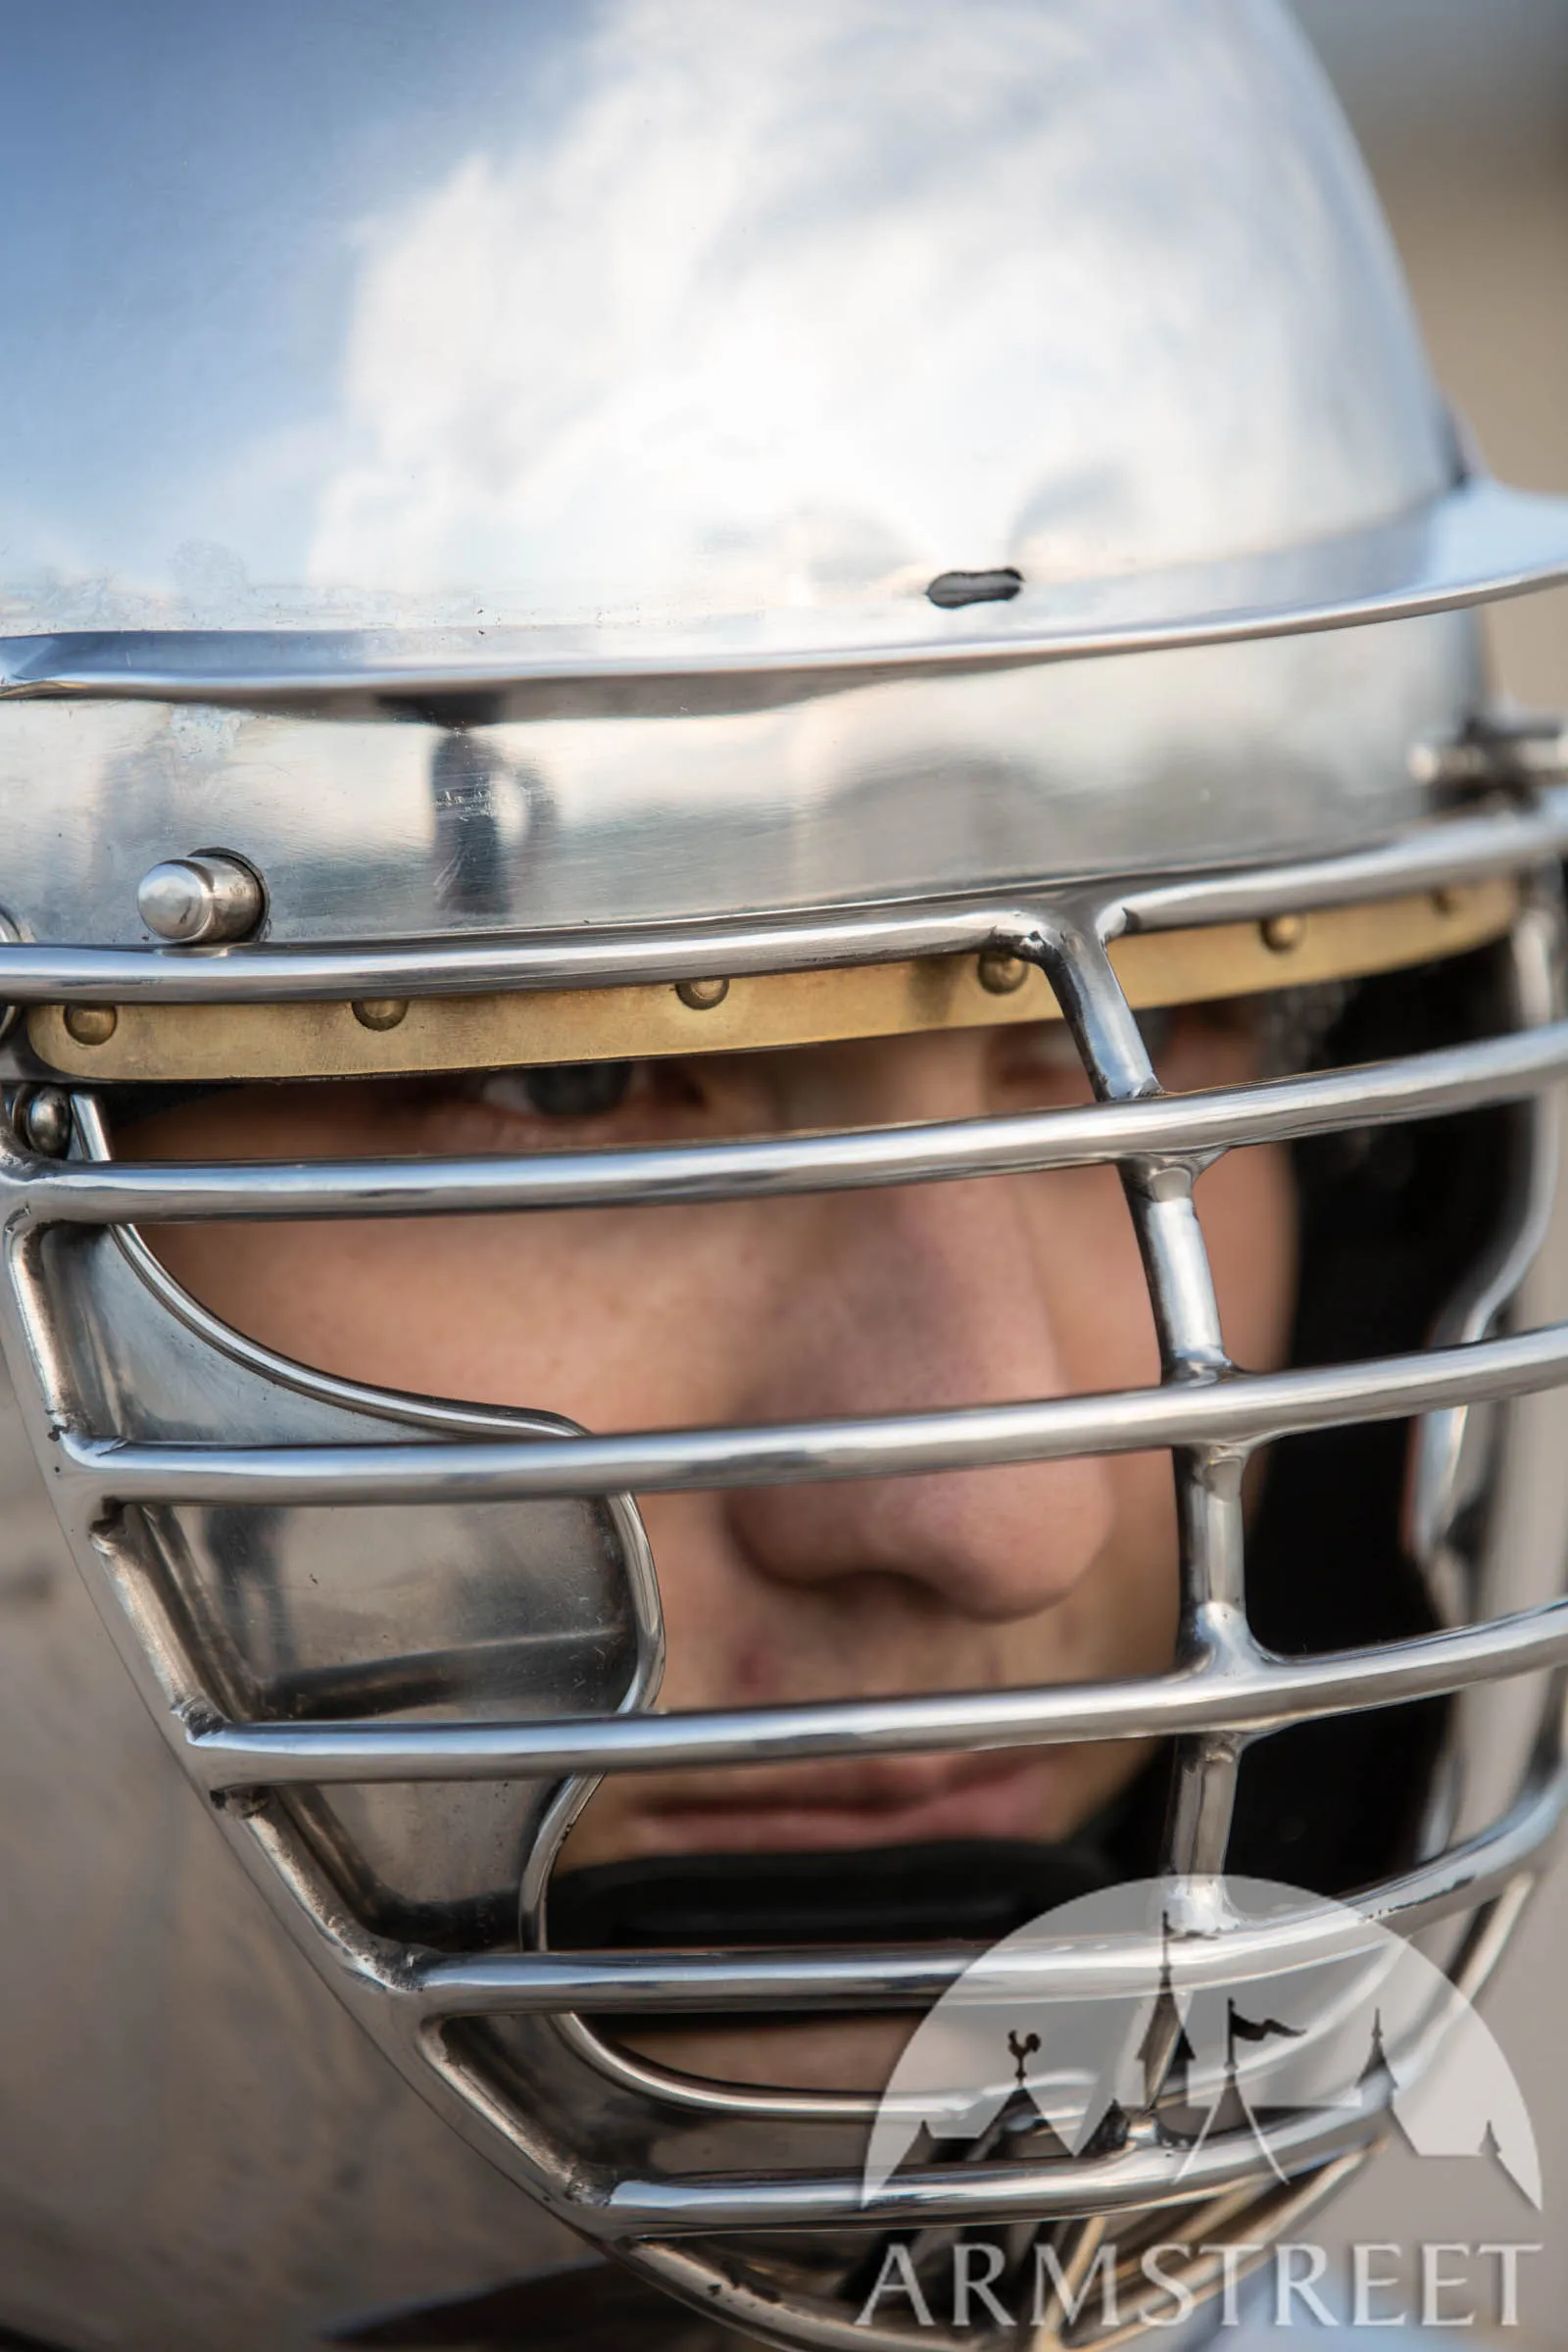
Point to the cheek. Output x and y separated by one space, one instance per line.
606 1319
1092 1277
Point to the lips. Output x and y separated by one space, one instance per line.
895 1802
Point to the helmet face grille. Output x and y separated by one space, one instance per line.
381 1744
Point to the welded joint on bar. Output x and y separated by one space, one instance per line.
1069 947
1217 1636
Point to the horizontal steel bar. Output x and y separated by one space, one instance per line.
676 1983
1507 840
468 967
1460 849
1418 1086
1243 1409
1210 1695
671 1982
1137 2176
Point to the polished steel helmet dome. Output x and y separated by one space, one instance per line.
644 395
540 532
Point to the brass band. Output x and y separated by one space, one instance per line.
134 1044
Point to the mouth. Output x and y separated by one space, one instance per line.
903 1849
828 1808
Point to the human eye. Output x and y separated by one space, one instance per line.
589 1103
561 1091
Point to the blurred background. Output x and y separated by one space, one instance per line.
1461 107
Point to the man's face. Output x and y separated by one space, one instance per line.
805 1309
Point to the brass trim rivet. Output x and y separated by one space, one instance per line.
91 1024
380 1012
999 974
701 996
1282 933
1446 902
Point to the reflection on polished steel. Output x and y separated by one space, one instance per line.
1478 541
1462 847
624 415
692 617
561 619
202 901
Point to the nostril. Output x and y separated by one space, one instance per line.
950 589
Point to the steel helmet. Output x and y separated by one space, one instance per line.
713 528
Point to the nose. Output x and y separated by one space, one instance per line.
907 1302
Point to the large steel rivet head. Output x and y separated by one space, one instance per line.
91 1024
1284 932
1001 973
381 1013
702 994
46 1121
201 900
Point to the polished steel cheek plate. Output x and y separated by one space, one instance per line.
468 1612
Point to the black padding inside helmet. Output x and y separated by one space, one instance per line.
973 1890
1391 1222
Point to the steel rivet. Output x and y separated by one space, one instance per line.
1282 932
201 900
380 1012
702 994
91 1024
46 1121
1001 973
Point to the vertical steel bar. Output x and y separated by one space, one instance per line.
1192 1348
